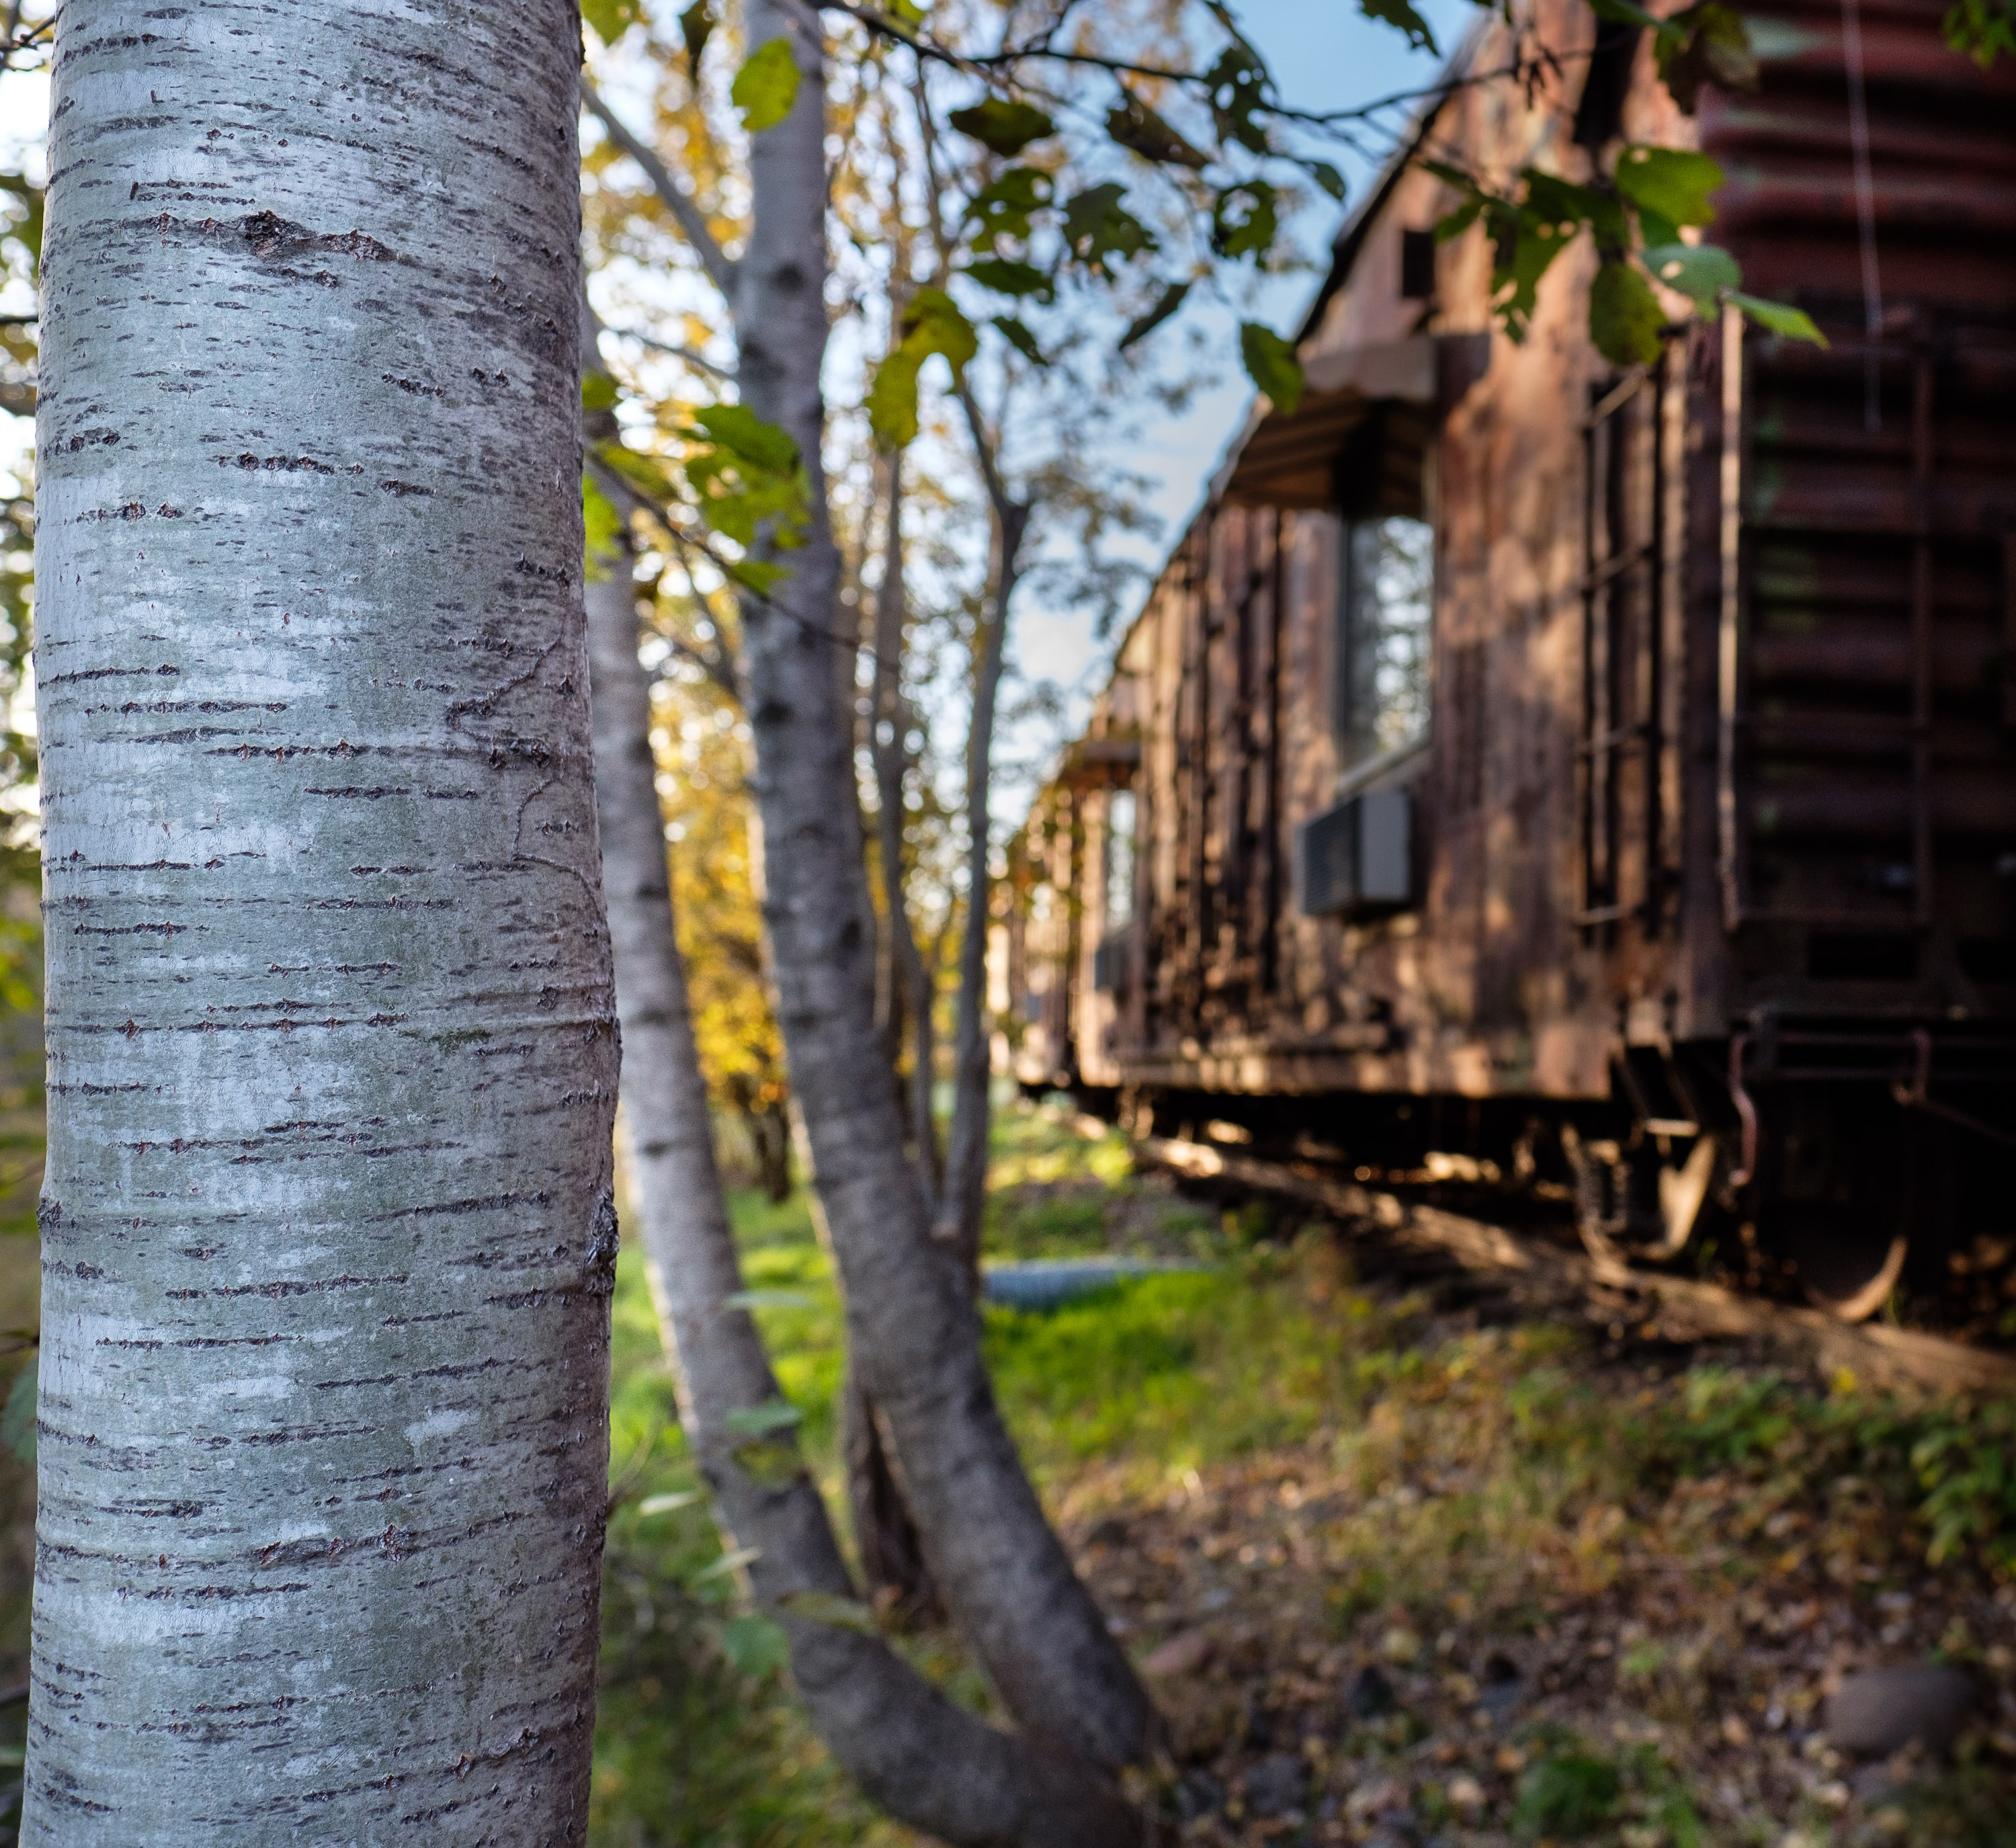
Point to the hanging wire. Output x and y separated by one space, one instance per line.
1865 210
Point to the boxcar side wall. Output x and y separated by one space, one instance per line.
1719 712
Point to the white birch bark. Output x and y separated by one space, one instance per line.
328 1233
913 1332
965 1196
926 1760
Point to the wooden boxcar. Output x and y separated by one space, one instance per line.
1515 745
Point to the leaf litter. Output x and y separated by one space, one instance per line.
1405 1564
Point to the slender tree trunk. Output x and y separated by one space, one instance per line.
770 1136
913 1327
966 1167
892 1558
910 985
892 1554
328 1229
926 1759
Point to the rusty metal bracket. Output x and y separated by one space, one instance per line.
1913 1092
1746 1107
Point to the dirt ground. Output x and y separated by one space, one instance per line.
1524 1582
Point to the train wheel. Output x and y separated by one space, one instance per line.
1847 1267
1637 1203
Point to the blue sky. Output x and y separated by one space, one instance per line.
1324 54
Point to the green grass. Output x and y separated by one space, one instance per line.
1165 1374
1548 1470
697 1740
1056 1193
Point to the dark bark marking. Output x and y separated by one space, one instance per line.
271 236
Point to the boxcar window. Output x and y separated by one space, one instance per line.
1384 622
1119 860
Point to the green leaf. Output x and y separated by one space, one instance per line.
1239 86
1019 336
1097 227
1526 236
727 1563
1328 178
932 323
1137 128
1707 44
740 431
1566 208
1623 315
1166 305
768 1299
765 88
742 473
1524 247
611 18
1271 365
1778 317
1244 220
1401 16
1982 29
696 27
1454 224
1005 207
823 1606
1007 277
1671 182
755 574
1006 127
666 1504
598 391
760 1420
601 523
17 1421
754 1644
892 400
1700 271
644 472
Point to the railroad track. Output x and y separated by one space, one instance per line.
1656 1305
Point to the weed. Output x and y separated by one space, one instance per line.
1568 1793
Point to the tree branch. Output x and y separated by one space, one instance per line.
715 663
681 203
686 542
671 348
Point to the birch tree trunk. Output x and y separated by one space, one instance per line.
965 1196
327 1225
926 1760
908 982
892 1559
913 1331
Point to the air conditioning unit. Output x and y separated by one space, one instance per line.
1357 858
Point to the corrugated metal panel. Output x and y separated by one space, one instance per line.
1871 767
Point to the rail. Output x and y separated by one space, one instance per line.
1684 1309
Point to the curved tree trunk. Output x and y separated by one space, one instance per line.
913 1331
926 1759
892 1559
328 1231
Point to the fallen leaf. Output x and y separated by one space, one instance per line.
1182 1654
